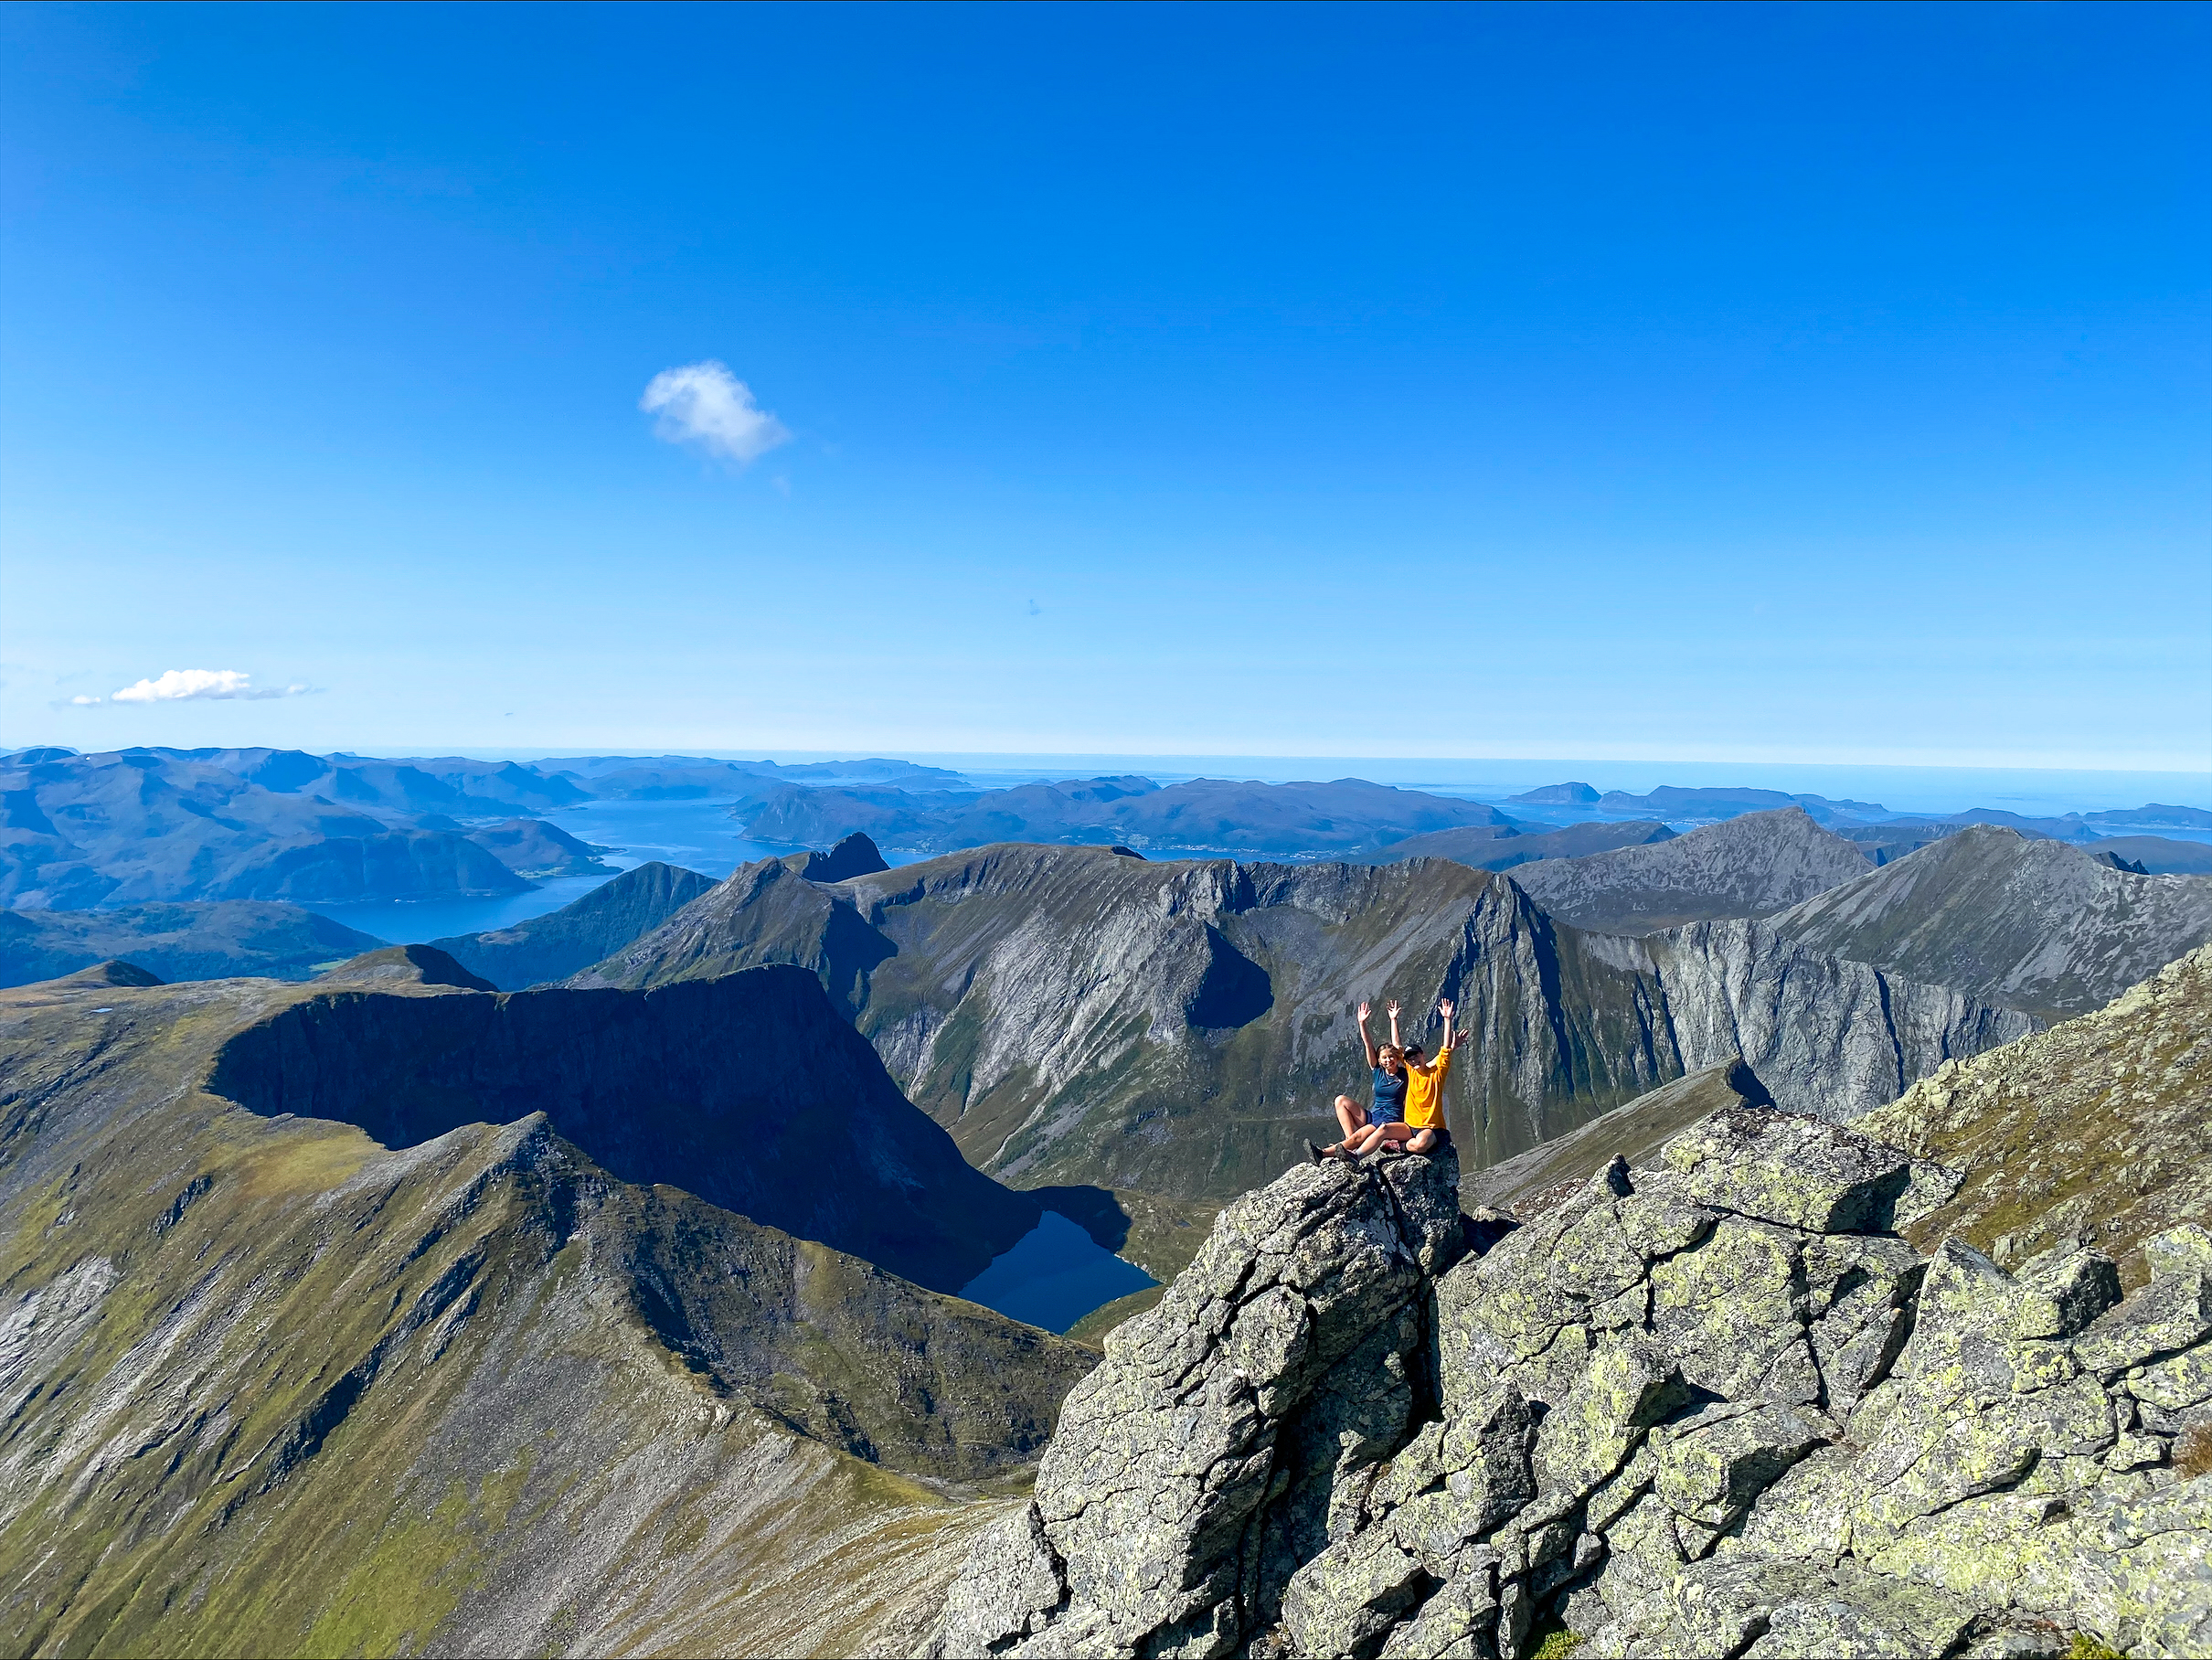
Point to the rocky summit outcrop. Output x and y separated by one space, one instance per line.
1231 1430
1713 1404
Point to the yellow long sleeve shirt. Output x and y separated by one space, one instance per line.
1425 1094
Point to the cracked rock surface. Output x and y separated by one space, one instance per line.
1710 1405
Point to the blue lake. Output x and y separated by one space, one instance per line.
1054 1276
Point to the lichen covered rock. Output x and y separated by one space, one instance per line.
1713 1405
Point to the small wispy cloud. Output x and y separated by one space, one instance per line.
706 405
190 685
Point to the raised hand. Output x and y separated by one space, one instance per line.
1365 1010
1390 1008
1444 1005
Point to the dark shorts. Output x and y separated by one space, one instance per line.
1378 1113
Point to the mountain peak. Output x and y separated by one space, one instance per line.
855 855
392 966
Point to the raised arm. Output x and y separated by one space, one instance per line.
1447 1009
1396 1041
1374 1059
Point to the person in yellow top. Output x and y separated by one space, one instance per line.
1425 1088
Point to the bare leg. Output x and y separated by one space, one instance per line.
1423 1140
1352 1117
1387 1137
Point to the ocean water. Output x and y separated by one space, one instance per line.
1054 1276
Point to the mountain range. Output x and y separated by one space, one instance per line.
1347 817
388 1311
1082 1016
134 825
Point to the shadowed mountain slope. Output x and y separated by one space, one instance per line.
268 1389
2099 1130
554 946
1744 866
189 942
748 1090
2022 923
1178 1026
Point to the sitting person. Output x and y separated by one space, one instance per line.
1387 1103
1408 1107
1425 1088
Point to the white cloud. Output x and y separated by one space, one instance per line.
705 404
184 685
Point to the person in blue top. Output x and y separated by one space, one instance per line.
1363 1126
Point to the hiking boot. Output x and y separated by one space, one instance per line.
1314 1154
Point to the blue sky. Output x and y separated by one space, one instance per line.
1733 383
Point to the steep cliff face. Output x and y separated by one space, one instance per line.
1710 1405
1179 1027
1827 1036
268 1387
749 1090
1075 1014
2019 923
556 945
1744 866
2096 1129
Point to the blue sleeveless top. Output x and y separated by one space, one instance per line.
1389 1098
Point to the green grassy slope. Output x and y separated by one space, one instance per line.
2099 1128
266 1388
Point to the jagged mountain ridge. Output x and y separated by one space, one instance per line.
1709 1405
1745 866
271 1388
2021 924
1178 1026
